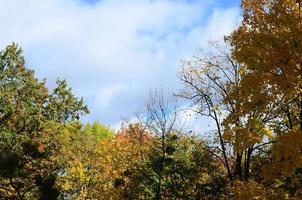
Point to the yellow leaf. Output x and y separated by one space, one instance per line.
267 132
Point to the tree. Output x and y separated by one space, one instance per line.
176 166
100 169
212 85
160 119
78 171
206 84
98 131
268 43
132 145
31 119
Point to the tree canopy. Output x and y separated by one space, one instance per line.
250 87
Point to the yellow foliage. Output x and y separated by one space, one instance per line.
267 132
287 152
92 168
252 190
66 186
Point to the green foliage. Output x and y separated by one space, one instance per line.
30 120
186 170
98 132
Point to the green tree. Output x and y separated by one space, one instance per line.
98 131
190 171
31 118
176 166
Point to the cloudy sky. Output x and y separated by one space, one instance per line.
112 52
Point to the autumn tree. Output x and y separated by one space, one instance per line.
82 173
212 86
101 169
268 42
132 145
205 89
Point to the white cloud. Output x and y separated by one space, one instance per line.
106 95
112 52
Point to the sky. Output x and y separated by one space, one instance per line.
112 53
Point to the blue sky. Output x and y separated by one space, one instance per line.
113 52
